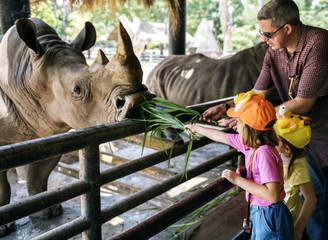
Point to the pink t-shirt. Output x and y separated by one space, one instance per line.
267 166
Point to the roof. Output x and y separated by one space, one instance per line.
205 41
150 32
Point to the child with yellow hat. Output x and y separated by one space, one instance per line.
293 136
263 184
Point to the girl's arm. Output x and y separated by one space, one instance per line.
214 134
268 191
309 203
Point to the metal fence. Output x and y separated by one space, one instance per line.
91 179
147 56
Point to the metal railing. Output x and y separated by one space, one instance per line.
91 179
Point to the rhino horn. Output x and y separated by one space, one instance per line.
86 38
125 56
100 61
27 32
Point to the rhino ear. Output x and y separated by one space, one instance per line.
100 61
27 32
86 38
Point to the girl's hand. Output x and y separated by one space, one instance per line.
230 175
189 128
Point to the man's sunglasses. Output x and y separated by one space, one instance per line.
269 35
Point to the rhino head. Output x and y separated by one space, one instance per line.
67 92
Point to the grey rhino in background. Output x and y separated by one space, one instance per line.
193 79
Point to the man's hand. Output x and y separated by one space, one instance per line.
213 113
307 121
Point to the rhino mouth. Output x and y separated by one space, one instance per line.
125 104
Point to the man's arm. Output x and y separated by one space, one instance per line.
265 92
297 105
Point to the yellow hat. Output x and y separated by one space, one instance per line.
291 127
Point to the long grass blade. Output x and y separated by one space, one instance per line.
160 114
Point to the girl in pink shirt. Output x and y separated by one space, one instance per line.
269 216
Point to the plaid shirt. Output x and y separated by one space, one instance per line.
307 68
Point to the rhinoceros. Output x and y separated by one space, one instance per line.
193 79
47 87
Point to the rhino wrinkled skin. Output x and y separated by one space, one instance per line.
46 87
193 79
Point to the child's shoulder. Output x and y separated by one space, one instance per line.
299 172
299 164
267 149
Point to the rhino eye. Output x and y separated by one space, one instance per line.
81 92
120 103
77 90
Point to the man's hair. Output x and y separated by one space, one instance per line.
281 12
254 138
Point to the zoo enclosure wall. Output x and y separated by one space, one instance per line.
91 179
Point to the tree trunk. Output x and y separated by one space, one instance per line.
226 24
11 10
177 40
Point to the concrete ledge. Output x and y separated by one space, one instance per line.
222 223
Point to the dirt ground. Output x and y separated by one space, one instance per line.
26 229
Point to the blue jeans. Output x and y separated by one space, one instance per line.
272 222
317 226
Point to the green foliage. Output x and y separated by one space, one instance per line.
152 45
245 36
196 10
51 13
244 17
314 15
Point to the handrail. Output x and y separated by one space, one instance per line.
22 153
88 140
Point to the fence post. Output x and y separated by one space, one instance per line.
151 57
90 202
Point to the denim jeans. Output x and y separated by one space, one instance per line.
317 226
272 222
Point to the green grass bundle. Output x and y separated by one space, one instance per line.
161 114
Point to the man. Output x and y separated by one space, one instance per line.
296 64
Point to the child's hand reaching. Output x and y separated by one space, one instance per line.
230 175
189 128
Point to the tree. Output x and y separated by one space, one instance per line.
54 14
243 15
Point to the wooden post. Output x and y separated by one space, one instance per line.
90 202
11 10
177 41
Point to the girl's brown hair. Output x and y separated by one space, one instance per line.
255 138
296 152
